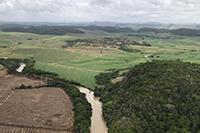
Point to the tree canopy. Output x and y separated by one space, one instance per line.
47 30
154 97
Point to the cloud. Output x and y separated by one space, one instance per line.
101 2
5 5
138 12
160 2
97 10
37 6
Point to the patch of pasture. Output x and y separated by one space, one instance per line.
80 75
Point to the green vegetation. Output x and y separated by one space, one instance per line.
108 29
181 31
1 67
79 65
45 30
161 96
82 66
11 64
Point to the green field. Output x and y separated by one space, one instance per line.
81 65
1 67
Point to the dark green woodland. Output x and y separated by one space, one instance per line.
154 97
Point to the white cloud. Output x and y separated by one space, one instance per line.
160 2
138 12
96 10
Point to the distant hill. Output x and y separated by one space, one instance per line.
61 30
110 29
153 30
180 31
154 97
47 30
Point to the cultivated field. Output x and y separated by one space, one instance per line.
83 63
41 110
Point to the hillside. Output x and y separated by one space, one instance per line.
156 97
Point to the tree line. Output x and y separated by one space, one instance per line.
180 31
45 30
61 30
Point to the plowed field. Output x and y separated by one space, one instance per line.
42 110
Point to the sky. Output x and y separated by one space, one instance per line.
131 11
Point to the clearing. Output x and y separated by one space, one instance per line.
42 110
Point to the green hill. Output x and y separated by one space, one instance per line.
154 97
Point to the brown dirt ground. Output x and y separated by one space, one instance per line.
39 110
97 51
9 82
11 129
197 42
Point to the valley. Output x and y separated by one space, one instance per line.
129 71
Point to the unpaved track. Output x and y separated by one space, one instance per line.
83 69
97 51
146 56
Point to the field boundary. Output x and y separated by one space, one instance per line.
32 127
7 98
71 67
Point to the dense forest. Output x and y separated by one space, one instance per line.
153 97
181 31
61 30
45 30
156 31
186 32
81 108
109 29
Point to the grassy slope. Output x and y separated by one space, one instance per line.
177 47
82 66
78 65
1 67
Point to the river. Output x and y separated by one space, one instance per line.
98 125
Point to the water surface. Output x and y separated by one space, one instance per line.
98 125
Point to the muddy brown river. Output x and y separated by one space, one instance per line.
98 125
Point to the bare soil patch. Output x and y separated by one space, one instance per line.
9 82
44 107
118 79
197 42
43 110
97 51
